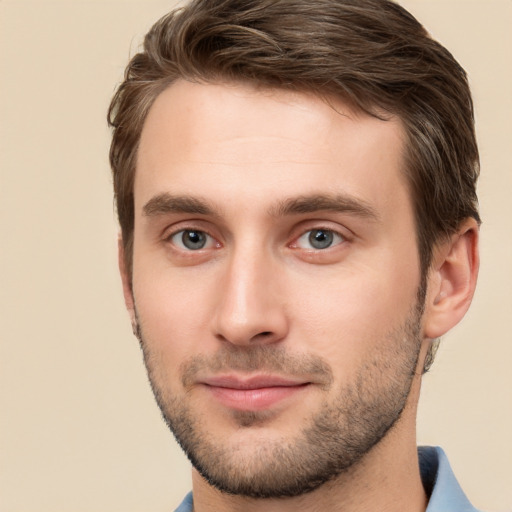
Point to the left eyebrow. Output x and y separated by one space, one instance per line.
341 203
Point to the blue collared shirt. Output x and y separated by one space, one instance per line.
438 479
436 474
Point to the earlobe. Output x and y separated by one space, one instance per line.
452 280
127 282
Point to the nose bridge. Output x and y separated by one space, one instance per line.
249 307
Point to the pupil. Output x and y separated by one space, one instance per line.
193 239
320 239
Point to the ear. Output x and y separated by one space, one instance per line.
127 282
452 280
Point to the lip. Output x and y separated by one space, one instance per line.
253 393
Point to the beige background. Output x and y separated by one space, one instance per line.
78 427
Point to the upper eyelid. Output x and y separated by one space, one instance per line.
311 225
216 233
323 228
182 230
187 225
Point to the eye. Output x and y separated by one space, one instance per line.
319 239
191 240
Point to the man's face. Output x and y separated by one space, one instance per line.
275 282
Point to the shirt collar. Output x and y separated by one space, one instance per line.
439 480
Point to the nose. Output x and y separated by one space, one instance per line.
250 308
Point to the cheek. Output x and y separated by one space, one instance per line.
173 308
349 317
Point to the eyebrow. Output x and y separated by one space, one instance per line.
166 203
341 203
162 204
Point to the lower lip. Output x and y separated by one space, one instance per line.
254 399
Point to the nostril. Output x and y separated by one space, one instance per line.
262 336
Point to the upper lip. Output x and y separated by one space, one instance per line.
252 381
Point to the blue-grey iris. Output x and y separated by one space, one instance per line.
321 238
193 240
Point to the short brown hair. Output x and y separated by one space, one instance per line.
371 53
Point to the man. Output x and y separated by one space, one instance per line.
295 184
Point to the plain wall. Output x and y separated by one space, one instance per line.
78 427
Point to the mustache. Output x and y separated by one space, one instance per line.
258 358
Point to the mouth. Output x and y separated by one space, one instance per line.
253 393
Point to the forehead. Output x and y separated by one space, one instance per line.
233 140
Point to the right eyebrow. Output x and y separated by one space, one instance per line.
166 203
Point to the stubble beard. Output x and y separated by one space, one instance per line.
334 440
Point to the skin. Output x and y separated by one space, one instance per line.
236 160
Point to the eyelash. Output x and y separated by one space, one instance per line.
331 238
323 235
208 239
